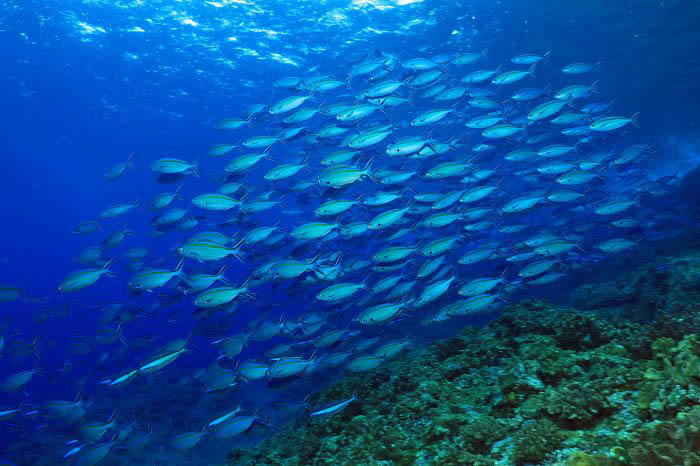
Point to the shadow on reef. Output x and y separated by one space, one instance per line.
690 186
542 384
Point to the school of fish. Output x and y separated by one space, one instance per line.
394 194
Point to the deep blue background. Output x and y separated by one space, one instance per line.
76 99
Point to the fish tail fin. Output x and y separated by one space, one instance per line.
305 162
578 244
238 256
36 368
178 268
324 102
638 240
177 193
35 349
108 263
247 280
126 229
368 166
122 340
633 119
531 70
387 60
129 163
113 417
238 244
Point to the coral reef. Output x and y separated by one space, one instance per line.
541 384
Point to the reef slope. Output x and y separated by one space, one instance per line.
612 381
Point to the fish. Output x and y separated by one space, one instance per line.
291 366
431 117
379 314
154 278
94 453
364 363
386 218
119 209
334 407
237 425
93 431
84 278
170 166
186 441
215 202
616 245
288 104
420 64
340 291
337 176
579 68
226 416
466 58
529 58
214 297
115 171
162 359
284 171
513 76
610 123
232 123
209 251
17 381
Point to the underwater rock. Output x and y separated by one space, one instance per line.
672 377
541 384
576 405
570 328
670 284
535 441
674 442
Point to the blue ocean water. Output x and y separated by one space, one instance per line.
87 83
